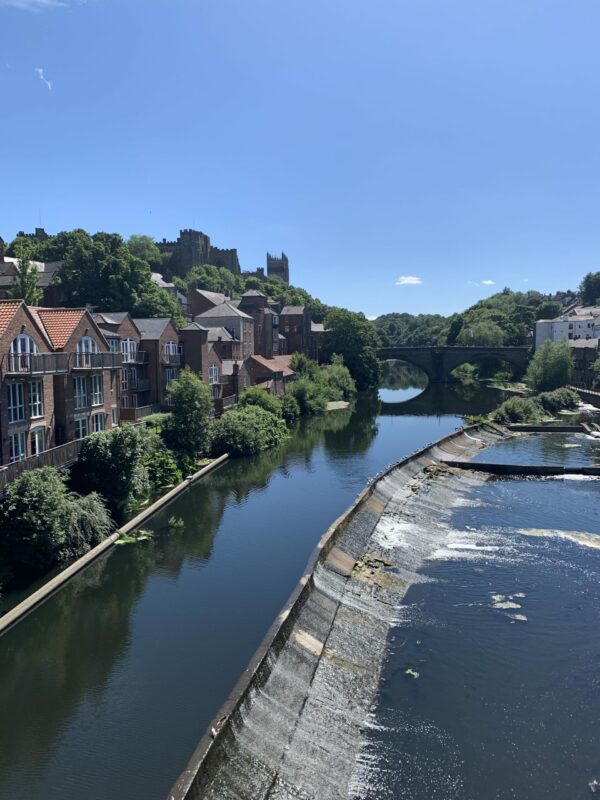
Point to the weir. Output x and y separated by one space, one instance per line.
294 724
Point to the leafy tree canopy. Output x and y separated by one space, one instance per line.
352 336
551 366
186 431
25 285
590 289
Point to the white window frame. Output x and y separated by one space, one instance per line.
97 390
124 379
98 422
17 446
128 350
22 348
134 401
82 427
36 399
213 374
16 402
133 377
80 398
124 401
37 439
85 347
114 416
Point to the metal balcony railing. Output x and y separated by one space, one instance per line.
142 385
35 363
139 357
172 359
96 360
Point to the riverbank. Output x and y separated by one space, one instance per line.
310 685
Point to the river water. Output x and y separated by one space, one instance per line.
107 687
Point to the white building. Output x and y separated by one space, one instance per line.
582 323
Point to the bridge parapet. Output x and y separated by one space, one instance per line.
438 362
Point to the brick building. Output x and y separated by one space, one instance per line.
160 339
239 324
266 323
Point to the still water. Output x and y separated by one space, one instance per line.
491 687
106 688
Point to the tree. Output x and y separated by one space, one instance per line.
186 431
112 462
481 334
550 367
145 248
259 397
352 336
590 289
25 284
43 524
549 309
247 431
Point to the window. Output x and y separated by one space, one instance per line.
124 401
16 406
85 347
114 345
213 374
275 321
124 379
113 416
17 446
80 392
97 422
22 348
97 390
36 399
133 377
171 349
134 401
171 374
81 427
37 437
128 349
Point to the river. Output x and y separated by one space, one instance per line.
107 687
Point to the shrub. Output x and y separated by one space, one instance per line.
518 409
186 431
246 431
558 400
262 399
550 367
163 471
309 395
112 462
43 524
339 384
290 410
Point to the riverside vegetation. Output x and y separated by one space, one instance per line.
51 517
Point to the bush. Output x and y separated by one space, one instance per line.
339 384
309 395
163 471
246 431
186 431
558 400
290 410
43 524
262 399
518 409
112 462
155 421
550 367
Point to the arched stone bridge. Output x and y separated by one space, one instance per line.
438 362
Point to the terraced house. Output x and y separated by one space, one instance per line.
58 379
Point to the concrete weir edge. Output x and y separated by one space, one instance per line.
186 786
54 584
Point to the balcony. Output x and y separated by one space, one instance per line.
139 357
96 360
142 385
135 414
35 364
171 359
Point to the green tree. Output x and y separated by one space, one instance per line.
25 284
351 335
43 524
590 289
338 380
247 431
551 366
186 431
163 471
145 248
259 397
549 309
481 334
112 463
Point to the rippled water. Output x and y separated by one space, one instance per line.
564 449
492 687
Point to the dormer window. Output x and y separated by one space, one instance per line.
22 348
86 346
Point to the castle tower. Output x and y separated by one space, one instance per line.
278 267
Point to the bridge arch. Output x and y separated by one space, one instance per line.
439 362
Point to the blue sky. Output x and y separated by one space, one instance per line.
402 152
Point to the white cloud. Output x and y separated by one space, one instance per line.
40 73
33 5
488 282
408 280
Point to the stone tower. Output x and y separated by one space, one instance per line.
278 267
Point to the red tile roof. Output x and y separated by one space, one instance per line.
58 323
8 308
276 364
